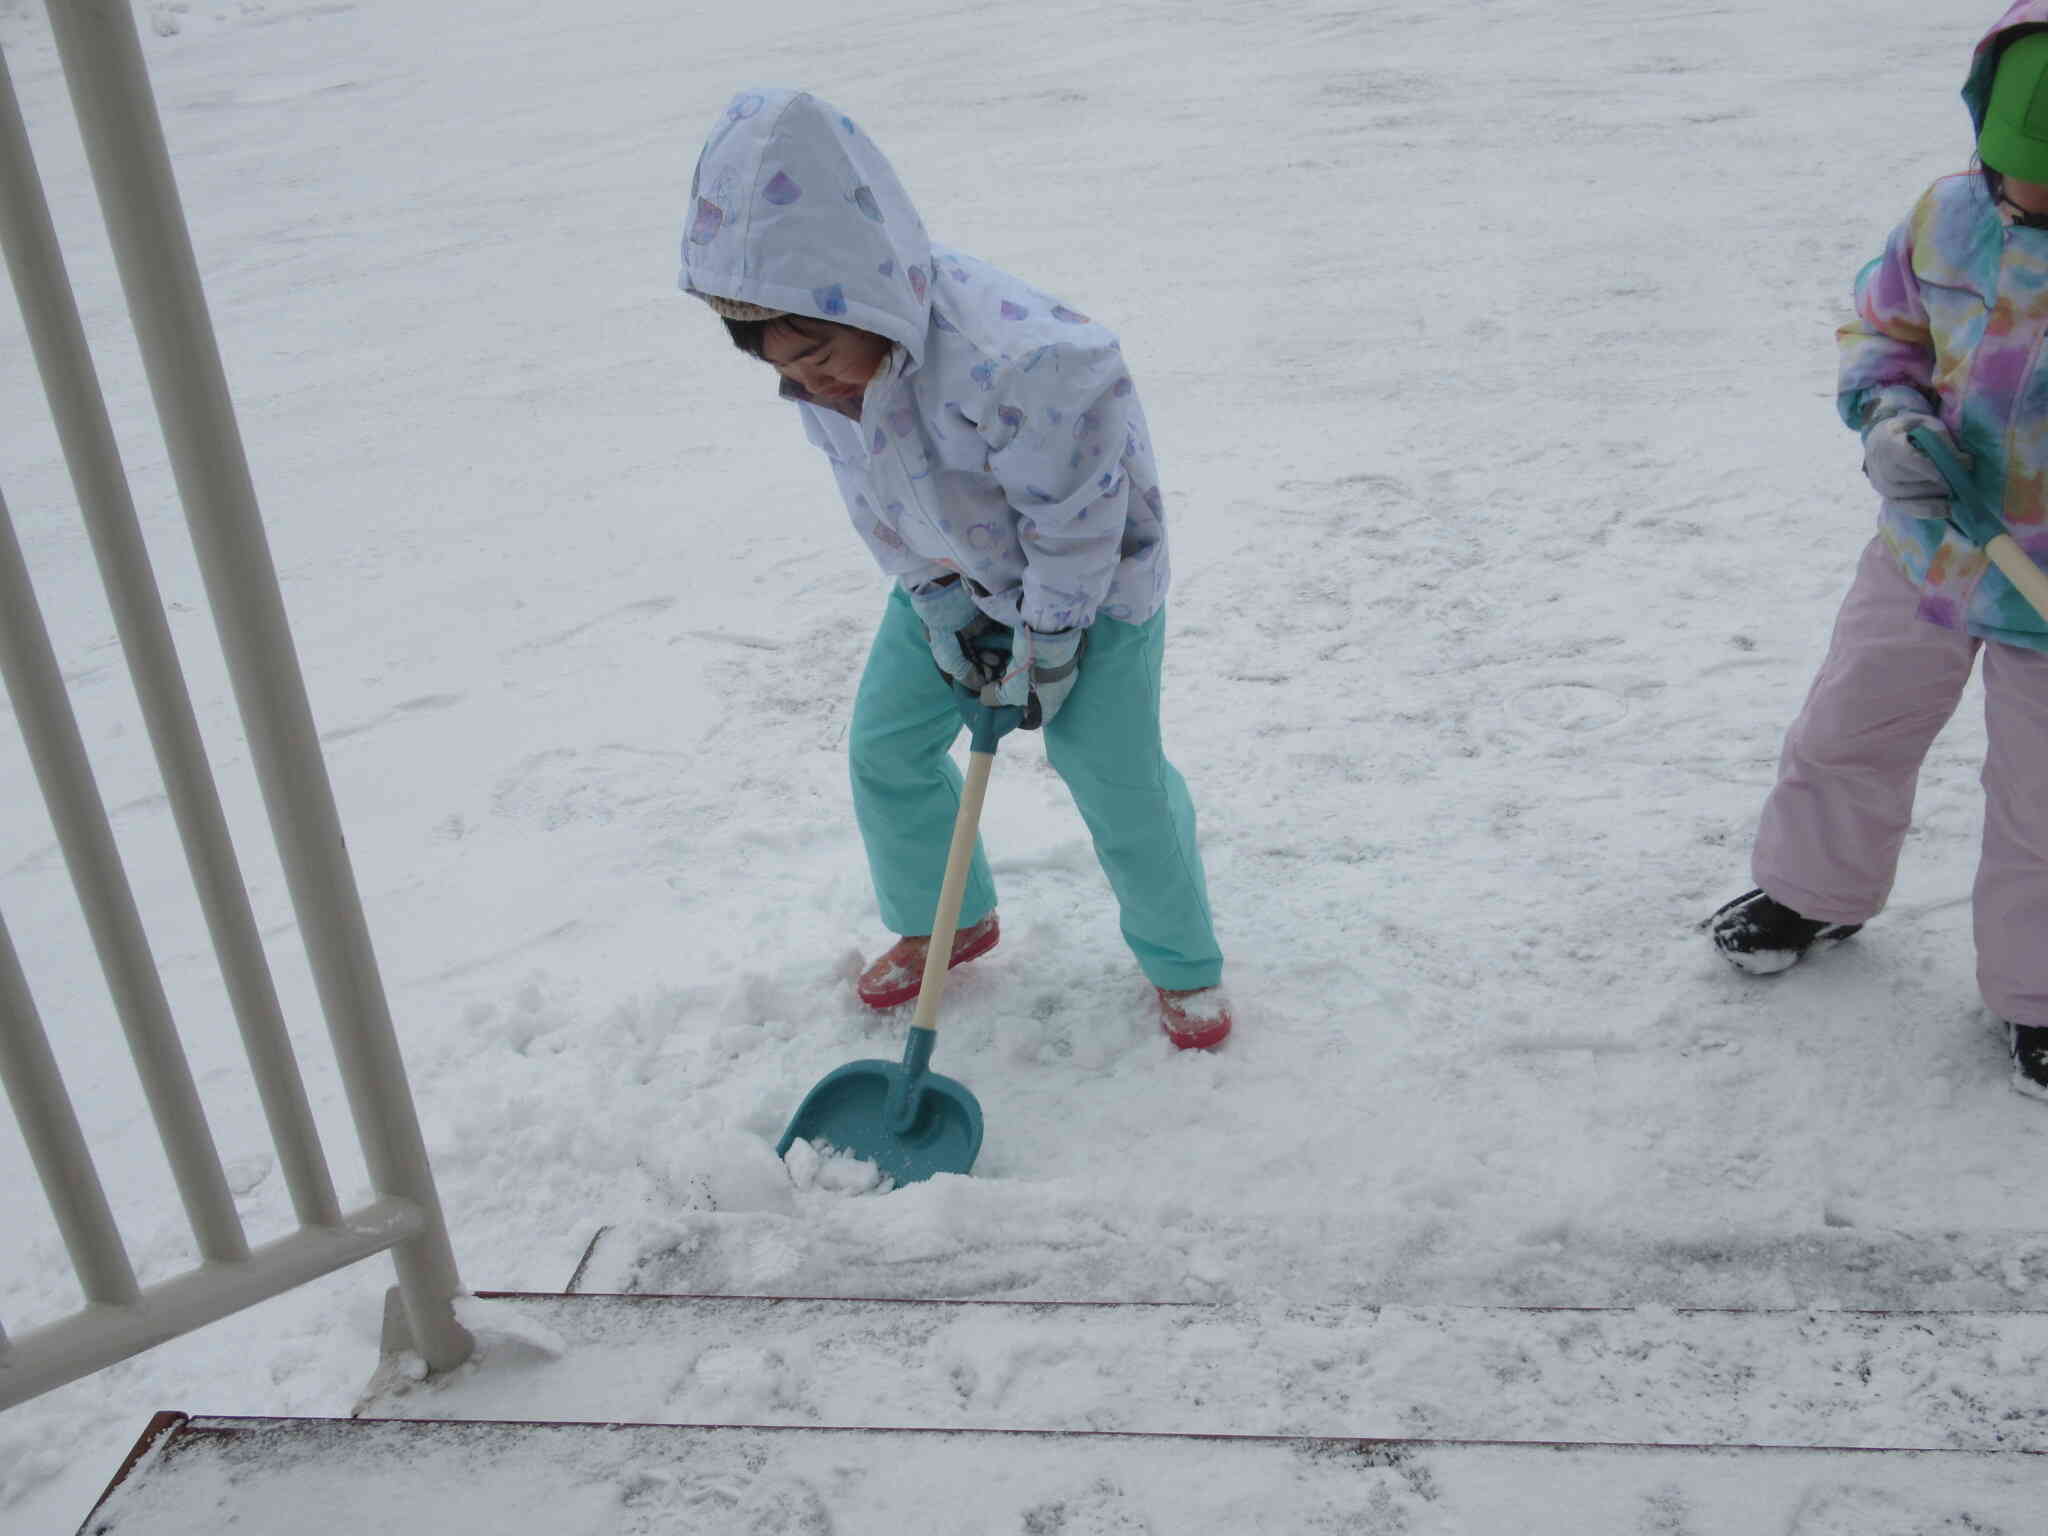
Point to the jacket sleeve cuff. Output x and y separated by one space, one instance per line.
1871 406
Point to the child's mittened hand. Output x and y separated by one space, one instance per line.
1055 664
1901 472
947 611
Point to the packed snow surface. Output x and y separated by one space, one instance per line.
1488 351
605 1480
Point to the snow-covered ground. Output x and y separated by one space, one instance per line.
1488 350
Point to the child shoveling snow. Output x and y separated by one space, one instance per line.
991 451
1946 340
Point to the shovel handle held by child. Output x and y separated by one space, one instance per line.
987 721
1980 524
938 954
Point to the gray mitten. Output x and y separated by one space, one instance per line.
1055 665
1899 471
1038 672
951 623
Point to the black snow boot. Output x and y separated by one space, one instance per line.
2029 1046
1763 937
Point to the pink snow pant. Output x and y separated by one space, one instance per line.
1828 845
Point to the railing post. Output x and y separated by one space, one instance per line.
116 109
36 264
57 752
43 1109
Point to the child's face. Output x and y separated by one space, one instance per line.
2031 196
830 362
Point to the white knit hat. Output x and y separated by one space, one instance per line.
740 309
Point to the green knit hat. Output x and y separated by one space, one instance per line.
2014 140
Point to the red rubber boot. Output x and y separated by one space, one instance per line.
897 976
1195 1019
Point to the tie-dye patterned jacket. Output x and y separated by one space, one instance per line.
1003 437
1953 320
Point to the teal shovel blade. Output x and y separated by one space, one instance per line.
908 1121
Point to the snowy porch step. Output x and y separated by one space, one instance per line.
311 1477
1898 1380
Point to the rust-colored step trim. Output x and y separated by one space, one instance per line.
1021 1302
161 1424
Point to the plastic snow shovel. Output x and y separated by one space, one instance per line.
906 1119
1975 521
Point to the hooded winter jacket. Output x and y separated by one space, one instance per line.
1952 320
1002 438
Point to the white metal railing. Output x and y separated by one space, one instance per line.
101 54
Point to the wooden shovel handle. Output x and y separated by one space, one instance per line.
939 956
2006 554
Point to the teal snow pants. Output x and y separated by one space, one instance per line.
1104 743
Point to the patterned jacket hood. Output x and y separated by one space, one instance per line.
794 208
